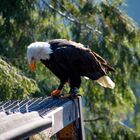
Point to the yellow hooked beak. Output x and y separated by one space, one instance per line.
32 66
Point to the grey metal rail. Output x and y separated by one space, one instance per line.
21 119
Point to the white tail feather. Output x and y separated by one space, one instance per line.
106 82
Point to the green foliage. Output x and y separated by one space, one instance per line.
104 28
13 84
115 131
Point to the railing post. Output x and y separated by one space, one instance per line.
81 119
75 130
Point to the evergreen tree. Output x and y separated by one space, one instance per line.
101 26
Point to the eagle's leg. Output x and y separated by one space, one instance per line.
74 92
58 91
75 83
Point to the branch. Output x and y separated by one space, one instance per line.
72 19
96 119
125 126
115 121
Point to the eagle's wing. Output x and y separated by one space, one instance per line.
74 56
79 61
63 42
102 60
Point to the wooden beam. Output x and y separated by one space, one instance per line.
68 133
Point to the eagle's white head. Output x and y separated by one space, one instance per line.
37 51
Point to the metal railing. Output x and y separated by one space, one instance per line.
21 119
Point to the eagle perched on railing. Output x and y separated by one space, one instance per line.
69 61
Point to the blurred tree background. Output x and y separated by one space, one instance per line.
100 25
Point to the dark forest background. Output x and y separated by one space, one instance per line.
105 28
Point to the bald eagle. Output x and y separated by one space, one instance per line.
69 61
